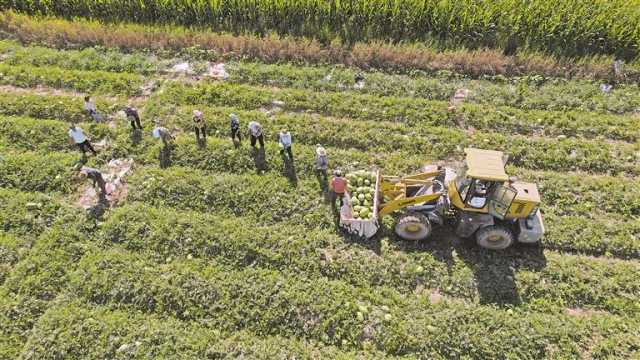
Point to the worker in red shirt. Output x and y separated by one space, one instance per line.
338 187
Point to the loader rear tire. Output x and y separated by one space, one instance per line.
494 237
413 226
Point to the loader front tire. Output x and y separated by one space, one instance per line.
494 237
413 227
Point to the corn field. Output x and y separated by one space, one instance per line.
566 27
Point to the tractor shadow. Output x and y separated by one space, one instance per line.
494 271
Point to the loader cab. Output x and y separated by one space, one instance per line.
481 185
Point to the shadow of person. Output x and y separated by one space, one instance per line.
202 143
289 170
136 137
259 159
97 211
165 157
323 184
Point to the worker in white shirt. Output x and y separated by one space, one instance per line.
255 133
91 109
77 137
285 143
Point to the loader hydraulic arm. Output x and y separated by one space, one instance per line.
395 191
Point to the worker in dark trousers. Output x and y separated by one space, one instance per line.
338 187
77 137
235 128
255 132
96 177
134 118
284 140
199 125
92 110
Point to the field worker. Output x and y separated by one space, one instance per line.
77 137
132 115
255 132
96 176
235 128
163 133
284 140
338 187
199 125
322 163
91 109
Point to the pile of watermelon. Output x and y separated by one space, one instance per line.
362 189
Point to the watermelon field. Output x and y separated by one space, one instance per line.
220 253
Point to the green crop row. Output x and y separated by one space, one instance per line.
88 59
277 201
330 311
548 277
12 249
26 214
45 135
29 171
529 92
568 28
442 142
102 82
102 333
65 108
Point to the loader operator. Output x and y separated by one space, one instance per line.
338 187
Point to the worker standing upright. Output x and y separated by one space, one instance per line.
255 132
199 125
338 187
235 128
77 137
96 176
284 139
322 163
132 115
91 109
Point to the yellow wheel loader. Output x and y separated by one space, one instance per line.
480 201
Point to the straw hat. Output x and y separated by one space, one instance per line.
321 151
197 113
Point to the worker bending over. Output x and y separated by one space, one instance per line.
91 109
162 133
96 177
132 115
285 143
199 125
255 132
77 137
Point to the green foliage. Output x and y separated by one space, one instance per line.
26 214
25 76
558 95
566 27
86 59
35 172
65 108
